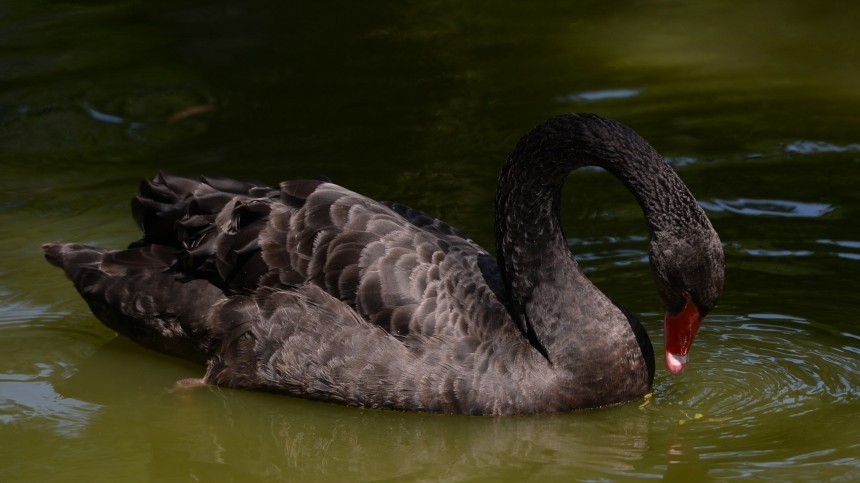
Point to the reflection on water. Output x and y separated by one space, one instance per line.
216 433
683 464
258 438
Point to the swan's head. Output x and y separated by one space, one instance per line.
689 272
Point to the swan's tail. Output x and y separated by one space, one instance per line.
213 223
200 240
172 210
132 292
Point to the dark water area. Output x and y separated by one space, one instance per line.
420 102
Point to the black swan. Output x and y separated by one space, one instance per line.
315 291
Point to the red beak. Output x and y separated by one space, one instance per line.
680 330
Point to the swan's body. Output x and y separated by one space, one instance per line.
312 290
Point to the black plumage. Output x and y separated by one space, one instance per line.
312 290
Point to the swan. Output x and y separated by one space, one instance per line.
312 290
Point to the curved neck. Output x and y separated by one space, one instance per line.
539 271
531 249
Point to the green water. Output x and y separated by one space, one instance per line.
420 102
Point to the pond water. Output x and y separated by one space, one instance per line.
420 102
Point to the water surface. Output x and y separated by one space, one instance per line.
420 102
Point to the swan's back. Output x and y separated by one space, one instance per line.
311 290
396 267
400 269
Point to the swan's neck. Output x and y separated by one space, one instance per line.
563 315
530 244
540 273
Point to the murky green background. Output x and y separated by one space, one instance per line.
755 104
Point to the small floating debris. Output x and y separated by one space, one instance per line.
646 400
190 112
689 418
593 96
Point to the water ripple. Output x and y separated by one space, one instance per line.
680 161
758 252
601 95
769 366
607 248
763 207
845 244
816 147
22 314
